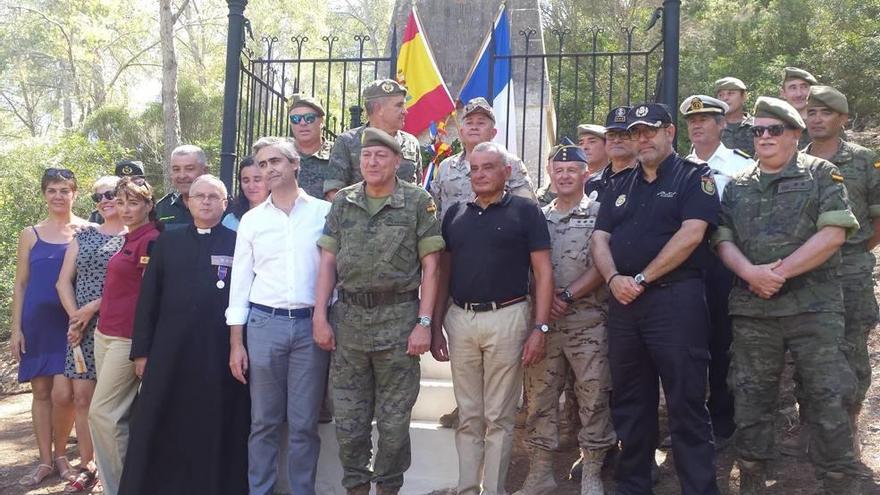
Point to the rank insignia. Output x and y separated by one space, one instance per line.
836 177
707 184
620 200
620 115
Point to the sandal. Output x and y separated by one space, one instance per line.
83 482
66 472
37 477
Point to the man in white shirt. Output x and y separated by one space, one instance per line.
706 121
273 291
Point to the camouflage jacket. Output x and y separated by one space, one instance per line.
570 235
739 136
453 183
769 216
313 169
345 159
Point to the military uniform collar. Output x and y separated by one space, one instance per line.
175 197
459 159
794 168
358 195
843 153
323 152
581 209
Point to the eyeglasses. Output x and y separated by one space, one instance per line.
618 135
64 173
775 130
310 118
210 198
108 195
646 131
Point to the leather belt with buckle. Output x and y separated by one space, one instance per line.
487 306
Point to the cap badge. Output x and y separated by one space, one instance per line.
127 170
620 199
641 111
620 115
696 104
387 87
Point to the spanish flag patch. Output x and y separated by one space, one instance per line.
144 260
877 165
836 177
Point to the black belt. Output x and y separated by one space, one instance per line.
487 306
373 299
676 276
798 282
290 313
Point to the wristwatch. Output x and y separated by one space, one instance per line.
425 321
640 279
566 296
542 327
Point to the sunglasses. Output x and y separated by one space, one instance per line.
775 130
310 118
64 173
108 195
645 130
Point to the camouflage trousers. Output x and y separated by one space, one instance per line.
383 384
861 316
585 350
816 343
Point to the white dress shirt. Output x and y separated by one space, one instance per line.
725 164
276 257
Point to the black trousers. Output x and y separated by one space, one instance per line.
718 281
663 333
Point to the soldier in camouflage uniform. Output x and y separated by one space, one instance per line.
381 243
578 337
781 226
306 126
795 90
385 101
547 193
453 181
827 113
738 133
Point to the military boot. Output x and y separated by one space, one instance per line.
796 445
751 477
591 477
842 484
359 490
540 479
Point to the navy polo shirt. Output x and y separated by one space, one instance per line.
642 216
491 248
600 182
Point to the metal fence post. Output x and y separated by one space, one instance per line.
234 41
671 20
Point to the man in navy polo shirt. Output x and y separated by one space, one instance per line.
650 245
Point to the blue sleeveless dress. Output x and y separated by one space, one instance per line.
43 319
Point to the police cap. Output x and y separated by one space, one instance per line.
129 168
650 114
616 119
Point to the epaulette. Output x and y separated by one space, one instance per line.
742 153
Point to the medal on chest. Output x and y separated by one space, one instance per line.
222 271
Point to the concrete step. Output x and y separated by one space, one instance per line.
431 368
435 399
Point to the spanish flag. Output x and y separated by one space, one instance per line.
428 100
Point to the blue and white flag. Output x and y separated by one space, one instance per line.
477 81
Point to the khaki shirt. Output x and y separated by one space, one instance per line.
769 216
345 159
570 236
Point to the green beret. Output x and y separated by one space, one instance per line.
377 137
795 73
479 105
383 87
595 130
298 100
775 108
826 96
729 83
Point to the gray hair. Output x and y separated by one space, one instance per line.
494 148
210 179
191 149
284 146
106 181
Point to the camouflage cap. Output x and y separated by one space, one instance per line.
595 130
826 96
479 105
377 137
774 108
702 104
729 83
795 73
298 100
383 87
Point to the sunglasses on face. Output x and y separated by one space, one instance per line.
646 131
108 195
64 173
309 118
775 130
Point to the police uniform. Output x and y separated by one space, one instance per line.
345 157
312 168
378 246
665 330
172 211
601 180
860 168
768 216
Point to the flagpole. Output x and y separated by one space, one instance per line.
483 47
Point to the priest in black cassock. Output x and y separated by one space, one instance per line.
191 420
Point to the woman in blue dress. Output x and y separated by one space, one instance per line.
39 323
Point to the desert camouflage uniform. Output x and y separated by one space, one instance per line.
378 256
739 136
579 340
861 172
769 216
345 159
313 169
453 183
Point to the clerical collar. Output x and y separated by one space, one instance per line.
203 231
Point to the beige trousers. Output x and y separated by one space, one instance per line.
485 350
110 410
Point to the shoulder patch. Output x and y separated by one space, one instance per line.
836 177
144 260
431 208
742 153
876 164
707 184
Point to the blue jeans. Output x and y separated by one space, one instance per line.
287 375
